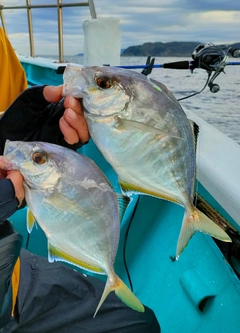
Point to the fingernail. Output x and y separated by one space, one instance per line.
71 114
73 101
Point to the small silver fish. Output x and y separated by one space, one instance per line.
76 207
142 131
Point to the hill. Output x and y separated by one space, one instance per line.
161 49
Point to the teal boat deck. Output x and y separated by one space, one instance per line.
199 293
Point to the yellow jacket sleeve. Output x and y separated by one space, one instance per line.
12 78
12 82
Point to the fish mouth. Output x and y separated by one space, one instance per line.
75 82
10 149
12 152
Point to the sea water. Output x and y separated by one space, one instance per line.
220 109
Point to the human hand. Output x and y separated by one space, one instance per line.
15 176
17 179
72 124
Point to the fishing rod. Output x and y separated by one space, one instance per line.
210 57
185 64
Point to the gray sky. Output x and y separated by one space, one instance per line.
141 21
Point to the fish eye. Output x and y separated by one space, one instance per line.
39 157
104 82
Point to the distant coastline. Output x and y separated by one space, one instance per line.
159 49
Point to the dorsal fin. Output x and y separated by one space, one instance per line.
123 202
195 131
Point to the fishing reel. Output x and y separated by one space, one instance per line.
213 59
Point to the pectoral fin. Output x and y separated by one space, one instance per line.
63 203
132 125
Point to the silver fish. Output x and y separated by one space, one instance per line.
76 207
142 131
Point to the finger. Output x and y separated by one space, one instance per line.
70 135
78 123
74 127
17 180
4 164
52 93
74 104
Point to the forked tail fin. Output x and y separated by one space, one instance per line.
198 221
123 293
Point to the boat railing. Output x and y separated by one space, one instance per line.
59 6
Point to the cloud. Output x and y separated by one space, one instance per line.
211 5
140 22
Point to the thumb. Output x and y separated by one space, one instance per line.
17 181
52 93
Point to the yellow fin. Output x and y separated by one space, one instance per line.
55 254
30 221
127 187
123 293
198 221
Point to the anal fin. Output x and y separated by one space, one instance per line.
55 254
